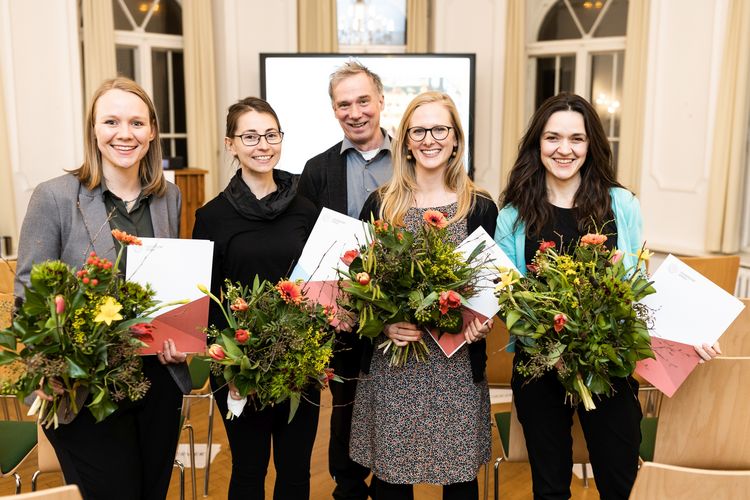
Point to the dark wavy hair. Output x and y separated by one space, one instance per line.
527 190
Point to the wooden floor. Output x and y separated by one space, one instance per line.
515 479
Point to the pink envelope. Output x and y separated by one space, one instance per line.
184 325
674 362
449 343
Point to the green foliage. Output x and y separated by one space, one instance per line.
579 315
288 346
398 276
59 336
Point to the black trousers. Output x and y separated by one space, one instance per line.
612 431
350 476
250 437
130 454
456 491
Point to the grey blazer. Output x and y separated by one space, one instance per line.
66 221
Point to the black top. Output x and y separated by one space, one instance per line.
251 236
323 179
483 214
136 222
563 230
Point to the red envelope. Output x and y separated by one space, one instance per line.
184 325
674 362
449 343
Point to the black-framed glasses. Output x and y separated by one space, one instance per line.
252 139
438 132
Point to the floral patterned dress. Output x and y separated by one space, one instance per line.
422 422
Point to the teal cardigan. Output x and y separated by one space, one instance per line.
627 211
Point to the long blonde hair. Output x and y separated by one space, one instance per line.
397 196
150 171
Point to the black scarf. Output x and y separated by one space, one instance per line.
270 206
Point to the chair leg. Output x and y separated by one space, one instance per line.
191 441
18 483
497 467
208 445
585 474
182 478
34 478
486 468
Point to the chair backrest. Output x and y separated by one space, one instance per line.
721 269
659 481
736 340
499 360
46 456
705 424
69 492
7 275
6 309
517 442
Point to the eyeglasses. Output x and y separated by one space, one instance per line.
438 132
252 139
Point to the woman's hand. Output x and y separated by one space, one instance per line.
476 331
402 333
707 352
57 389
233 392
170 354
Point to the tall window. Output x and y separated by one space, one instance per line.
579 46
371 25
148 35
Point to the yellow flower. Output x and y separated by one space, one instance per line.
109 311
644 254
506 279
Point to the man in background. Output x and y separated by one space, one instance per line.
341 178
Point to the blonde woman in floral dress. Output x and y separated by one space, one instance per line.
426 422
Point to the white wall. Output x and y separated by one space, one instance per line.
41 68
243 29
685 55
478 26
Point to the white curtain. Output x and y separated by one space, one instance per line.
200 90
514 86
99 60
417 26
728 159
629 165
316 26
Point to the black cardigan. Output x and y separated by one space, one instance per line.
483 214
323 181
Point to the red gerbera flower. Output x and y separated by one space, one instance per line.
125 238
290 292
435 218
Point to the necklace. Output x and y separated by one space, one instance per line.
128 202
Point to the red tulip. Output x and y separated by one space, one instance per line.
349 257
241 335
449 300
59 304
546 245
560 320
239 304
363 278
216 352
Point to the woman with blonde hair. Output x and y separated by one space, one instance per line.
426 422
120 185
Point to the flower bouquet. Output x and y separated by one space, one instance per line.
78 334
397 276
579 315
276 343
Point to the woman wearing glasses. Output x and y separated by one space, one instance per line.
427 422
259 226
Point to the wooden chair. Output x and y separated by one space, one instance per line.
705 424
17 441
69 492
513 444
659 481
499 360
46 457
736 339
721 269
